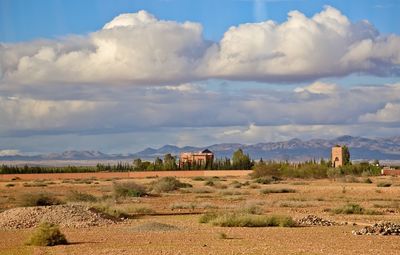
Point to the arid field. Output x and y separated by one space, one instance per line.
161 222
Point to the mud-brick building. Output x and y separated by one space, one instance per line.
202 158
337 156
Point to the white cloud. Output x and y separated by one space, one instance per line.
318 88
9 153
27 114
327 44
137 48
390 113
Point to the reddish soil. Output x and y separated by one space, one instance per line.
191 237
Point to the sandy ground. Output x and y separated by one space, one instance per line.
125 175
191 237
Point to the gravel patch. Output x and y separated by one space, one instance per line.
312 220
382 228
74 216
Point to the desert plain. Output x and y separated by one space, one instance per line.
169 222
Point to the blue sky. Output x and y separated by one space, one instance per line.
120 76
23 20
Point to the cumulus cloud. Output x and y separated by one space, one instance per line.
137 48
327 44
388 114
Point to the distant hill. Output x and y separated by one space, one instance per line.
296 149
292 150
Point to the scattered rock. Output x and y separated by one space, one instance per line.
313 220
381 228
75 216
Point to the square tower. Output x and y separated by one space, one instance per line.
337 156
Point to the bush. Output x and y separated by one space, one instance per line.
284 190
128 189
354 209
207 217
76 196
111 211
167 184
251 209
47 234
250 220
263 169
384 184
39 199
8 185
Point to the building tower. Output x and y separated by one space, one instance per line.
337 156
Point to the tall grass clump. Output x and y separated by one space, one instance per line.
354 209
39 199
128 189
47 234
168 184
247 220
111 211
283 190
76 196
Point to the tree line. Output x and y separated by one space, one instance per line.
168 162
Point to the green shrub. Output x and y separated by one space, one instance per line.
384 184
128 189
251 209
76 196
47 234
250 220
354 209
283 190
39 199
167 184
207 217
111 211
8 185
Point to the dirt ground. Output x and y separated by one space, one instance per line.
182 209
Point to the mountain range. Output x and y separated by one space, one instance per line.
292 150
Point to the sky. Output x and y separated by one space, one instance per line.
120 76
